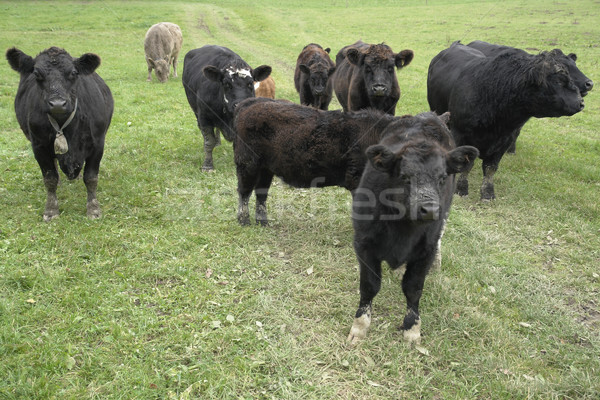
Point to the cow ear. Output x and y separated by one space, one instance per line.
151 62
213 73
304 69
445 117
331 71
261 73
381 157
353 56
404 58
327 50
87 63
20 61
461 159
573 56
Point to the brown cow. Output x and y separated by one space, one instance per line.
365 76
265 88
312 76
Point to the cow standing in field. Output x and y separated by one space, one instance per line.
266 88
304 146
583 83
491 98
216 80
162 46
312 77
64 108
399 210
365 76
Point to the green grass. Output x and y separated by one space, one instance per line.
167 297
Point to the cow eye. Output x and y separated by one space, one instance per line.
73 74
251 85
442 179
368 69
227 85
405 178
38 75
391 70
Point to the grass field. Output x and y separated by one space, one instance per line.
167 297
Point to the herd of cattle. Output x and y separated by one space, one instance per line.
400 170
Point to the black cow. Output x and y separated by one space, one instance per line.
304 146
400 207
216 80
490 98
64 108
312 76
583 83
365 76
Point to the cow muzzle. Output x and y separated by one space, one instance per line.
57 106
379 90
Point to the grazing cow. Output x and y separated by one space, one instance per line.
583 83
64 108
304 146
266 88
216 80
312 76
399 210
365 76
490 98
162 46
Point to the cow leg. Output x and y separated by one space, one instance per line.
261 189
370 283
210 141
487 186
247 179
90 179
462 184
149 73
412 286
47 164
437 261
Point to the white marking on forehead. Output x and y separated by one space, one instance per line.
242 73
256 85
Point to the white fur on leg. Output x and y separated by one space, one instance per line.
359 328
413 335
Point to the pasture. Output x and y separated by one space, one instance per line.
166 296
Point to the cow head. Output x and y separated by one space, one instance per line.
161 68
237 82
318 74
55 74
419 168
377 64
554 92
583 83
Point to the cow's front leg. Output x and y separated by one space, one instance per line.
412 286
370 283
51 183
210 141
93 207
262 191
487 185
462 184
246 182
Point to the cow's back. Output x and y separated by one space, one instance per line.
158 43
444 71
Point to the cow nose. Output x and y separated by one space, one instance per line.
57 105
428 211
589 85
379 89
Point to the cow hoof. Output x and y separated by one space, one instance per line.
50 215
208 168
359 329
244 221
93 209
413 335
262 222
